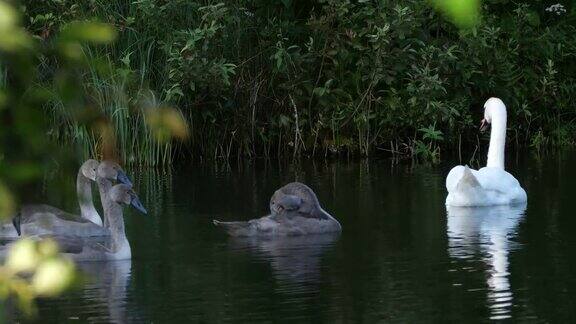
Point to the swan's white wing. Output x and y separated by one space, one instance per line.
489 186
453 177
497 179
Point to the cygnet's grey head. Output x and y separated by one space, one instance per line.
123 194
89 169
295 197
112 171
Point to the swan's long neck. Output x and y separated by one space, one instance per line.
113 212
84 192
104 186
497 140
113 219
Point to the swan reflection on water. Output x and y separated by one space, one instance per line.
107 284
489 231
294 259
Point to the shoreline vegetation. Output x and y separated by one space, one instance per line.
154 82
316 78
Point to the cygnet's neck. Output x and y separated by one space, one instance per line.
104 186
497 139
113 213
84 192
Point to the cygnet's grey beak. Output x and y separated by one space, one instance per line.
483 125
123 178
138 205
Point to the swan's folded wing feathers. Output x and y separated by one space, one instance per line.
30 213
496 179
453 177
468 180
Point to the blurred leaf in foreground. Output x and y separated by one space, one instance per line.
463 13
76 33
166 123
53 277
7 203
35 269
12 37
88 32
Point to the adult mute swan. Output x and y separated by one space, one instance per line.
116 246
491 185
44 219
294 210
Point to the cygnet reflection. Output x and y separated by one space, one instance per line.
488 231
107 284
296 259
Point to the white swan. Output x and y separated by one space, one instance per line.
45 219
116 246
491 185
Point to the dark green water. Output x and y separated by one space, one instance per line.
400 257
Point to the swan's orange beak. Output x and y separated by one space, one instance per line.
483 125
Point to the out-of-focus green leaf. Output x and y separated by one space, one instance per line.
12 37
25 171
89 32
7 204
8 16
463 13
48 249
166 123
72 50
14 40
53 277
33 269
23 256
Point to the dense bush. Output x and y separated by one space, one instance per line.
260 77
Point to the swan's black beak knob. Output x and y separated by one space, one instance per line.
483 125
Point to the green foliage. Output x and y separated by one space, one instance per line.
258 78
428 148
53 87
464 13
35 269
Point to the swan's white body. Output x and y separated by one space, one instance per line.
488 186
491 185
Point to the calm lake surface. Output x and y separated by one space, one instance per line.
402 257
